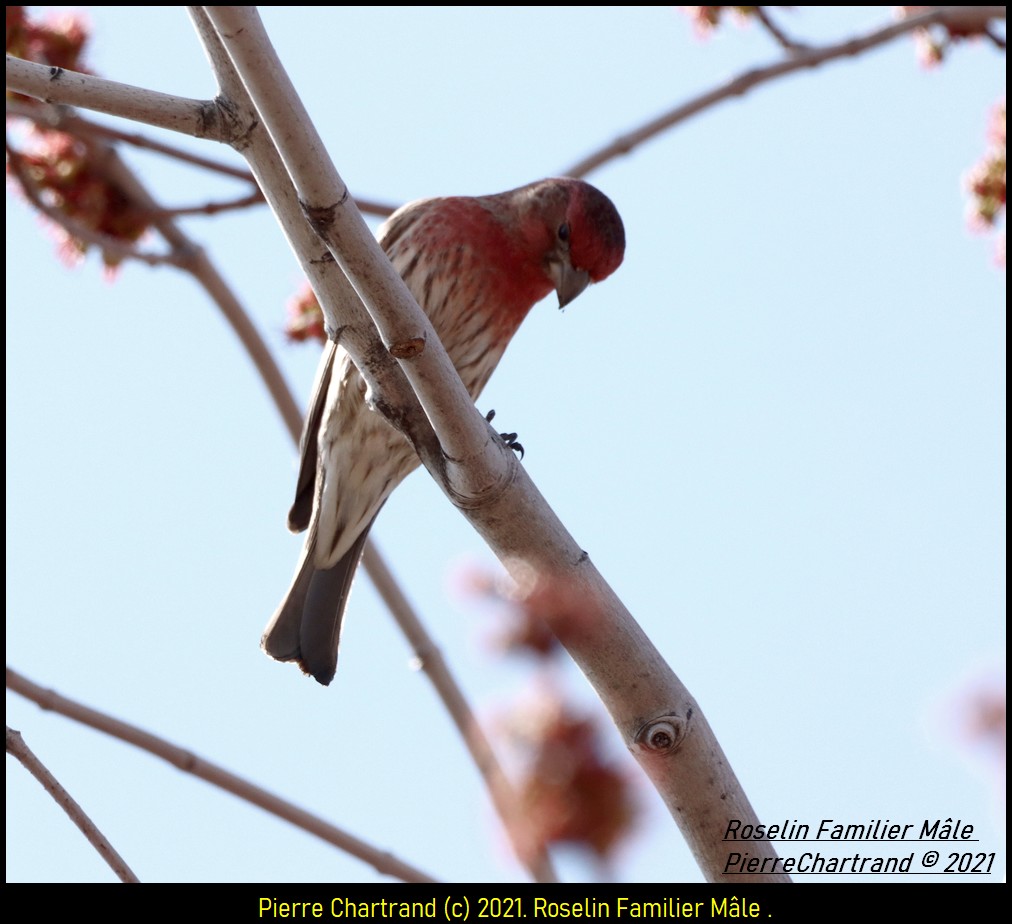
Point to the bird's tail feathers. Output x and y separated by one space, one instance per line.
306 627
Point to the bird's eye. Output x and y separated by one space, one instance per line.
564 232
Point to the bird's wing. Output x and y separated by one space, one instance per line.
302 508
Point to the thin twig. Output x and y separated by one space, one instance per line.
17 747
110 245
997 40
432 662
779 36
754 77
189 762
214 208
192 259
257 198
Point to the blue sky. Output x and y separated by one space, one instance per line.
778 429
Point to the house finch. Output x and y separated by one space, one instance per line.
476 267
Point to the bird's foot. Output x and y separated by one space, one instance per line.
510 439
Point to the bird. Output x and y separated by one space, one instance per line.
476 266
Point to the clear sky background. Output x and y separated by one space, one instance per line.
779 431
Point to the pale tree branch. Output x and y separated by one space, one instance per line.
57 117
359 336
199 118
469 451
206 119
798 59
657 718
17 748
60 118
191 763
341 305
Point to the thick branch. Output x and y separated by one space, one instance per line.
655 714
475 461
359 336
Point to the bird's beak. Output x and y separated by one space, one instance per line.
569 282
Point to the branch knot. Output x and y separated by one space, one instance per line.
406 349
664 734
